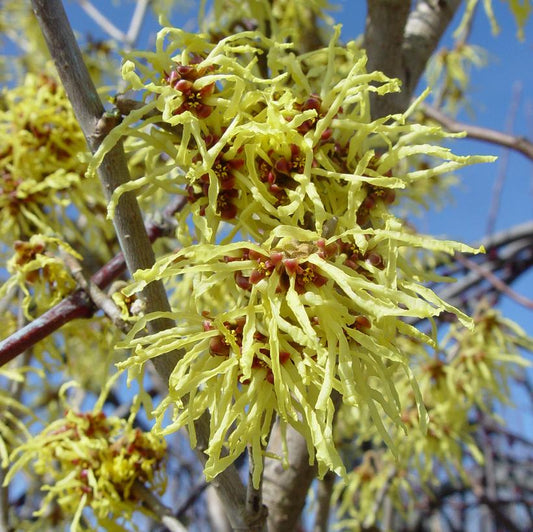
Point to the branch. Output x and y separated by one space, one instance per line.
255 509
285 490
503 163
519 144
136 21
113 171
509 251
99 298
495 281
102 21
191 499
400 43
128 222
425 27
162 512
384 33
77 305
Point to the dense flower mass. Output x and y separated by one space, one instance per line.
43 158
38 269
280 148
296 147
472 366
94 461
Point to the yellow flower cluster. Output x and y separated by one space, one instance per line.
43 158
40 273
473 368
279 147
296 147
90 460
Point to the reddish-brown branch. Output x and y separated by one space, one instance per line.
520 144
78 304
495 281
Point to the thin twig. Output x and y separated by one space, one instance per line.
162 512
136 22
103 22
519 144
495 281
195 492
529 122
98 297
503 162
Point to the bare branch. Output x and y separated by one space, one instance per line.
400 43
98 297
192 497
503 162
113 171
285 490
520 144
163 513
325 488
384 33
103 22
424 29
495 281
510 252
137 21
77 305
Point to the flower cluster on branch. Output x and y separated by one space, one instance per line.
313 304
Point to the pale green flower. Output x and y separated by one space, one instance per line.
91 461
276 328
472 369
43 159
38 270
280 148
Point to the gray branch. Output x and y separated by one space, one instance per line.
493 136
285 490
400 43
113 171
128 221
384 35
